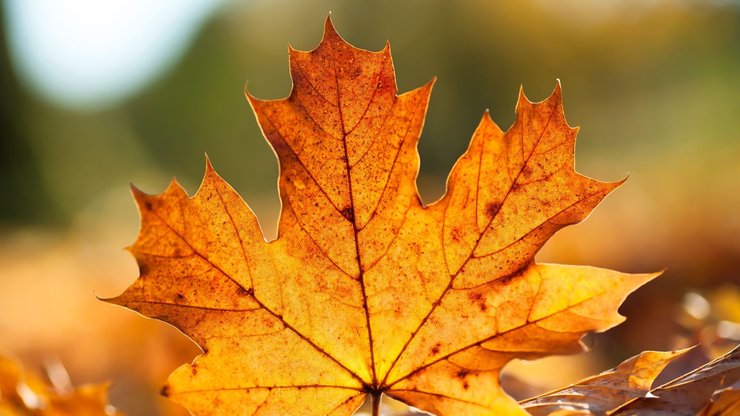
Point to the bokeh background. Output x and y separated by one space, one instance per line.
95 95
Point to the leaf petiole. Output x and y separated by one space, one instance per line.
375 397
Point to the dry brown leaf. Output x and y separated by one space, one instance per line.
626 390
690 393
366 291
724 403
601 393
25 394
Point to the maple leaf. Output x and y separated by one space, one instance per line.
366 291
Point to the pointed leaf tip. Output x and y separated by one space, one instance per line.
209 165
329 28
174 187
557 92
135 190
141 198
521 100
486 118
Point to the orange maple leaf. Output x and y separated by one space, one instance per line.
366 291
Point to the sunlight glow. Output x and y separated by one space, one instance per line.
87 53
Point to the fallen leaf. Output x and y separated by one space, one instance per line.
10 379
601 393
691 392
87 400
25 394
366 291
725 403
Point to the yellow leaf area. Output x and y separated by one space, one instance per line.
366 291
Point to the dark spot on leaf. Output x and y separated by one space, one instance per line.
165 390
349 214
148 205
456 234
492 208
462 374
240 291
435 349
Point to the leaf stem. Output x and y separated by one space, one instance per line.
375 397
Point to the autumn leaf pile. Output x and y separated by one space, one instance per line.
366 291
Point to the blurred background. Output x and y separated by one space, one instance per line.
96 95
